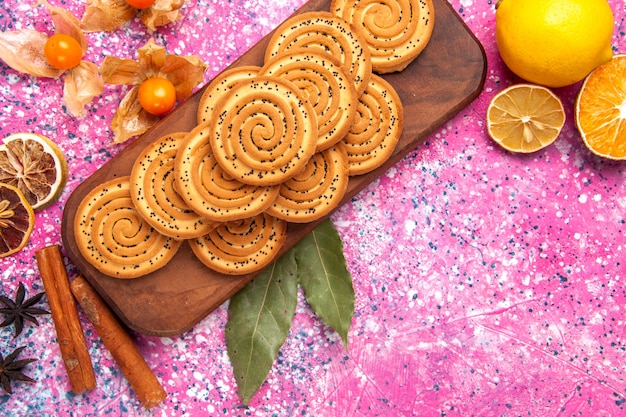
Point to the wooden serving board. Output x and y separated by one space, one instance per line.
444 79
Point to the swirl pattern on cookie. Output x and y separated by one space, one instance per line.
377 129
395 31
265 132
221 85
154 193
242 246
317 190
114 238
208 189
324 85
327 34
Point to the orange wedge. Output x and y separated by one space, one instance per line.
17 219
601 109
525 118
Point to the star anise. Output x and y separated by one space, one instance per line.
19 310
11 369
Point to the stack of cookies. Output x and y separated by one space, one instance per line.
273 144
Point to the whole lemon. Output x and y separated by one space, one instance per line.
554 43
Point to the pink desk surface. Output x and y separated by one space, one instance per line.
487 284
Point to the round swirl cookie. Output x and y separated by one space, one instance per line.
317 190
208 189
221 85
328 34
243 246
324 84
265 131
395 31
377 129
114 238
155 194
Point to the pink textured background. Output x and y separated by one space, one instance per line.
487 284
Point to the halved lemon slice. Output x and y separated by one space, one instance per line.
601 109
16 220
525 118
35 165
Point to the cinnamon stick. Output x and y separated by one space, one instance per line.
118 341
70 334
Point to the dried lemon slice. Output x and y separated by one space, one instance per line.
16 220
35 165
525 118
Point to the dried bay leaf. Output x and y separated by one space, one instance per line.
260 315
259 319
325 279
